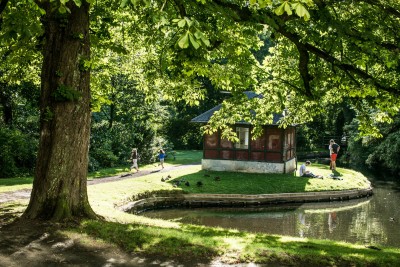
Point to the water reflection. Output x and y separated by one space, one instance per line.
373 220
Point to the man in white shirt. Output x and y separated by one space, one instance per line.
304 173
303 170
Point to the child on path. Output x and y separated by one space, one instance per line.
161 156
134 158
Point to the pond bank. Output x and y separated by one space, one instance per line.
179 199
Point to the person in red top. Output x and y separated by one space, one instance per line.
334 151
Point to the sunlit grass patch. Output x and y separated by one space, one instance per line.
17 183
190 243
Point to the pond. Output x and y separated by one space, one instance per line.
373 220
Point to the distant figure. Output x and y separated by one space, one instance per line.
334 148
304 173
302 226
134 158
332 221
330 156
161 156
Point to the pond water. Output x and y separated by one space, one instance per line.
374 220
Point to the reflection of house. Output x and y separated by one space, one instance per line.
272 152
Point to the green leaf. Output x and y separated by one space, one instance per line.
189 22
184 41
182 23
280 10
134 2
124 3
63 9
195 44
205 41
198 34
288 9
301 11
78 3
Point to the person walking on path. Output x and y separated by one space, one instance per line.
161 156
134 158
334 149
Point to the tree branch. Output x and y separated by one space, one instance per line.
303 68
331 59
387 9
278 23
181 8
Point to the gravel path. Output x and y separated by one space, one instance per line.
26 193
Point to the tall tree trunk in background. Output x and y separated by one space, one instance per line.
6 103
60 187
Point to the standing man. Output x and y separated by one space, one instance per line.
334 151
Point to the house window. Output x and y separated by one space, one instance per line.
243 135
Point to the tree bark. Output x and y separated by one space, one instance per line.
60 187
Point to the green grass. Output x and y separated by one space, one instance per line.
189 243
250 183
184 157
17 183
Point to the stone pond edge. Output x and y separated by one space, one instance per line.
178 199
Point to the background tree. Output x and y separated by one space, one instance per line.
128 121
19 90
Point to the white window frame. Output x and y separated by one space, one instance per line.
243 133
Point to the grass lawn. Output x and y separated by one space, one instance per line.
241 183
17 183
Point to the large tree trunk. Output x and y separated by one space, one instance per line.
60 187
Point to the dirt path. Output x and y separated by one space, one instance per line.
26 193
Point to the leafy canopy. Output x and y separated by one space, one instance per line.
323 52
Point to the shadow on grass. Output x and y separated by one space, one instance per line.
197 244
336 173
160 243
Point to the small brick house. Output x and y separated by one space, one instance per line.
272 152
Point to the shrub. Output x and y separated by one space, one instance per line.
18 153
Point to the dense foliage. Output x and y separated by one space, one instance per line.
320 78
